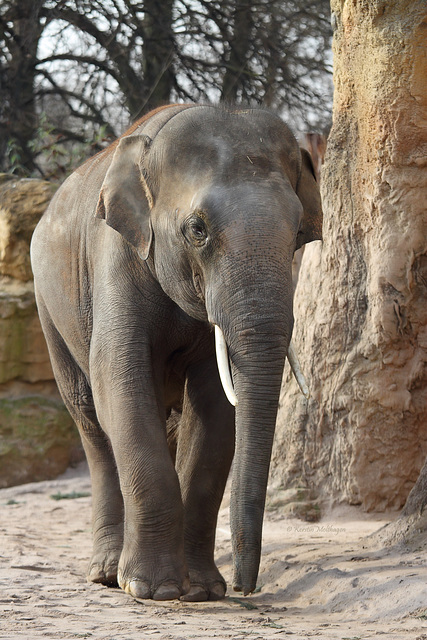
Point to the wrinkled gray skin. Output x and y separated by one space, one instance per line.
190 220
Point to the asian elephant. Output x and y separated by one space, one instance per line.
183 228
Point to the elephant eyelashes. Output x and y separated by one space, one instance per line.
195 231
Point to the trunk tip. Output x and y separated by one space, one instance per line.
243 585
240 589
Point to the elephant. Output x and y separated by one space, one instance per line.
172 244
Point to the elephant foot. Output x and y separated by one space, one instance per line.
107 549
143 590
205 586
201 593
103 569
159 577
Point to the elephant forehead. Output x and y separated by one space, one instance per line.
238 125
251 200
195 167
209 139
257 192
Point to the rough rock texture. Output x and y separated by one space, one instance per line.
360 304
22 203
37 437
23 350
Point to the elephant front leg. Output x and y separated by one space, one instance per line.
204 454
152 562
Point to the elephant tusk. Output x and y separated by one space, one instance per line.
296 370
223 366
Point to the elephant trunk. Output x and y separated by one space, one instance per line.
257 387
249 297
257 344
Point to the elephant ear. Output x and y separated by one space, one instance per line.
309 195
125 199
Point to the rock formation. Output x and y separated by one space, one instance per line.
360 304
37 437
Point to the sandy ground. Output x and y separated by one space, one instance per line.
325 580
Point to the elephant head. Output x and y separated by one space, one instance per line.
216 201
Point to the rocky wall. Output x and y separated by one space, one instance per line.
361 300
38 439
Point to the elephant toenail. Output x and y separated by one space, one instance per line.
139 589
217 591
167 592
197 593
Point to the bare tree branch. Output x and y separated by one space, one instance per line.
109 61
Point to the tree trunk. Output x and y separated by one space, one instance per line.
235 77
159 54
360 304
18 118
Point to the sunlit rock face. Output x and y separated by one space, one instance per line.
37 437
360 303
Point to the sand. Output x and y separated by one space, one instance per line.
321 580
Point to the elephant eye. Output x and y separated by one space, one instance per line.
195 231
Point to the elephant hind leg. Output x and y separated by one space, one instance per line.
107 501
204 454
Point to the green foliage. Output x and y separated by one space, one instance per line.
242 603
70 496
56 155
14 158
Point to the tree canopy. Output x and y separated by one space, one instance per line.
82 70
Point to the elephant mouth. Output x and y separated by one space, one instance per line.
224 368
